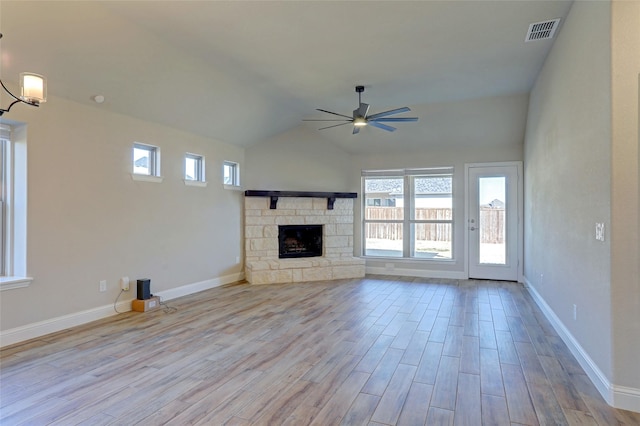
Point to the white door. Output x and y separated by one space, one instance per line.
493 221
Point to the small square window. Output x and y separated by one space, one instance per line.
194 167
146 160
231 173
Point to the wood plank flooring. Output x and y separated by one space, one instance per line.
373 351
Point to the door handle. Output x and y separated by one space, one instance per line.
471 228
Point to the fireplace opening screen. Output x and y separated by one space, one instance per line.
299 241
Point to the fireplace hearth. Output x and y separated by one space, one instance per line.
299 241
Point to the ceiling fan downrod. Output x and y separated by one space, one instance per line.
359 90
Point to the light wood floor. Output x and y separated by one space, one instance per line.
375 351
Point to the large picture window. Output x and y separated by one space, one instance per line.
408 213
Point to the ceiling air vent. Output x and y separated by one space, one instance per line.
542 30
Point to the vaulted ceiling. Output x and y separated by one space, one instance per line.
245 71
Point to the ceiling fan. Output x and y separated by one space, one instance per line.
361 118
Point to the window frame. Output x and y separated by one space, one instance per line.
413 221
154 160
408 221
5 141
383 174
199 178
235 174
14 213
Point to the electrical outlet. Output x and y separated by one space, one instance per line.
124 283
575 312
103 285
237 259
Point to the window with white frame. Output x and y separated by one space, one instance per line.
194 168
146 160
408 213
4 142
13 207
231 173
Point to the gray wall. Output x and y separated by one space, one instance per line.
625 208
581 167
567 179
89 221
298 160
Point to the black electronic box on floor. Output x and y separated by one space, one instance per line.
144 289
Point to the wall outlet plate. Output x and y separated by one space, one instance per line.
103 286
600 231
124 283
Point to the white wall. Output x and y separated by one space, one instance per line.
89 221
625 185
577 174
298 160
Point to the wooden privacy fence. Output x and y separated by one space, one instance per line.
492 225
491 221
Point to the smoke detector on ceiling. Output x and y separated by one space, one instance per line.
542 30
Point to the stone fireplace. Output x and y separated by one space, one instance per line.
316 227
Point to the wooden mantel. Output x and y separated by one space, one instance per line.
274 195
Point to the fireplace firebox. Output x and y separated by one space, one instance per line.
299 241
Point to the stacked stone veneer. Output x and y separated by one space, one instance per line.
262 265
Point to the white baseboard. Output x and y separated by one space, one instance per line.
626 398
420 273
188 289
38 329
616 396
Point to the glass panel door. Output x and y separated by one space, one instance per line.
492 228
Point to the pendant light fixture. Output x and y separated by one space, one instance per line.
33 90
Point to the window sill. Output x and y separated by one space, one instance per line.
409 260
233 187
10 283
146 178
199 183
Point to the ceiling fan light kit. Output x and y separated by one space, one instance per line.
361 117
359 121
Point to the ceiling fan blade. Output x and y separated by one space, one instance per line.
356 130
327 119
394 119
334 113
390 112
335 125
382 126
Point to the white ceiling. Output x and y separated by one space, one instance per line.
243 72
